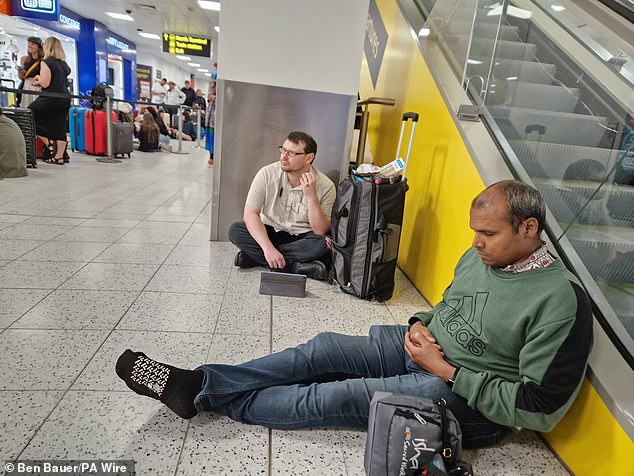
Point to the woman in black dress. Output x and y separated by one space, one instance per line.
51 113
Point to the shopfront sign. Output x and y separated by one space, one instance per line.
144 81
42 9
187 45
70 22
120 45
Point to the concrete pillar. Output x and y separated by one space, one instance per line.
282 65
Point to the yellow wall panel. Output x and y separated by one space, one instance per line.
442 177
589 440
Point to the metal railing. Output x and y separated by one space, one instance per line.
109 101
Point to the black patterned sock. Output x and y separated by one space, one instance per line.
174 387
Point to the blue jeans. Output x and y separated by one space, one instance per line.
295 248
329 381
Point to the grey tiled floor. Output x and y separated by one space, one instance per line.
96 258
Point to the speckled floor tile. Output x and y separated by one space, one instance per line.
78 309
93 233
247 280
114 425
21 414
36 274
241 311
189 279
15 302
137 208
105 223
406 299
55 221
353 448
236 349
107 215
6 218
210 256
216 445
521 454
197 235
157 233
22 231
45 359
13 249
112 276
79 251
309 316
134 253
307 452
154 218
155 311
175 348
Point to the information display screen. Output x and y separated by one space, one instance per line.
187 45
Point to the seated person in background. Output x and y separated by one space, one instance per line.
12 149
287 213
506 347
148 134
164 137
189 128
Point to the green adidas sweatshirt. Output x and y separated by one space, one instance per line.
521 340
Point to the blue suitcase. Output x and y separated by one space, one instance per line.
77 128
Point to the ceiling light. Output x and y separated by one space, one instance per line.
512 78
184 58
215 6
558 8
120 16
208 74
473 61
203 70
424 31
193 64
217 28
151 36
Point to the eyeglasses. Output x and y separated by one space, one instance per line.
290 153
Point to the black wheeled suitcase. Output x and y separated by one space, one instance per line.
366 230
23 117
122 138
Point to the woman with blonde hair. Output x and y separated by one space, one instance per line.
51 112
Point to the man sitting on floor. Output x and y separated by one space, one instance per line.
287 213
506 347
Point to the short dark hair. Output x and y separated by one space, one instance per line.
522 200
299 137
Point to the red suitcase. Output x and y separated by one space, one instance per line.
39 148
95 124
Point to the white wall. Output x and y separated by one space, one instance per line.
269 43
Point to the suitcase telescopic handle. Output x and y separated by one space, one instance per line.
410 115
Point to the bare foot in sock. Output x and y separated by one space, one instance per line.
174 387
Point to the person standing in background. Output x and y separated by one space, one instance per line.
28 68
189 93
173 98
211 115
51 113
159 91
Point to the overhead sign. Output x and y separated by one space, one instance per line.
43 9
186 45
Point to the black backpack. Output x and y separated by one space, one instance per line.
98 96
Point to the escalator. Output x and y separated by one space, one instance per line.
568 131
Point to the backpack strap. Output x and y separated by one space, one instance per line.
447 452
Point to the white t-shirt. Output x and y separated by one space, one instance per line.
283 207
158 93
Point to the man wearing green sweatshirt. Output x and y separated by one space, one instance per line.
506 347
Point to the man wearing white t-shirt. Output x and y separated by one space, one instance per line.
159 91
287 213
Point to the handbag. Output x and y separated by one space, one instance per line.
409 435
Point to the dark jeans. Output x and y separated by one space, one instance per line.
295 248
329 381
